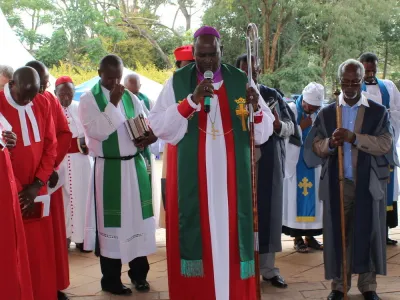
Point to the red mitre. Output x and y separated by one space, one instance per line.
184 53
63 79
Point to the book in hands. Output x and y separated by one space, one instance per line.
41 208
137 128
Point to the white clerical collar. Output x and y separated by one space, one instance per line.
363 101
22 112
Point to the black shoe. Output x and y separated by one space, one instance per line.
141 285
80 247
62 296
117 290
390 242
371 296
277 281
336 295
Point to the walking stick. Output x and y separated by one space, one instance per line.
252 38
341 191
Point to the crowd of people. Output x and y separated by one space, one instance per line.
71 173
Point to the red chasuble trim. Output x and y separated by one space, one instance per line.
185 109
239 289
181 287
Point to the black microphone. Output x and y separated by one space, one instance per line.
207 100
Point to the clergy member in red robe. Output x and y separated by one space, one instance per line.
64 137
33 157
15 278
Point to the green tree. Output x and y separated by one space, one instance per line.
39 13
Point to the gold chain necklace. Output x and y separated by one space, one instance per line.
214 132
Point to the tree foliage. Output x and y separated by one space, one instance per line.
301 41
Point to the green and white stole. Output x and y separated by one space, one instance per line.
184 83
146 152
112 182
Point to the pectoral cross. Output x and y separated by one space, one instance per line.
305 185
214 131
242 112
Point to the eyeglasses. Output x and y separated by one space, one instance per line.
350 83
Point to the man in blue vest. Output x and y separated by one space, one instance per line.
386 93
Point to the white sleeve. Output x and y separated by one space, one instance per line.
165 120
99 125
394 109
264 129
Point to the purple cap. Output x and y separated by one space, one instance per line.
206 30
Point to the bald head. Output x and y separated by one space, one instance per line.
132 83
25 85
43 73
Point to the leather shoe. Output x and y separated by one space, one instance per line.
371 296
120 290
61 296
141 285
336 295
277 281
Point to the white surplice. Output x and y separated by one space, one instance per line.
74 177
374 93
136 237
290 186
169 125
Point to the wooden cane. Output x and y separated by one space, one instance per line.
341 191
255 208
252 41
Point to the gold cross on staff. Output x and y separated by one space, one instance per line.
305 185
214 131
242 112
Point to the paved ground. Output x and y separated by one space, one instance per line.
303 272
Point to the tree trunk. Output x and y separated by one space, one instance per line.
266 30
187 15
325 62
176 14
386 59
148 37
275 40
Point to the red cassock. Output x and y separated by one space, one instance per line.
64 137
15 277
34 156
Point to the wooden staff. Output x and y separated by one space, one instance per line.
341 191
252 38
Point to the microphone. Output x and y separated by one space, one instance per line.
207 100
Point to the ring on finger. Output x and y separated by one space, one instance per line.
206 88
251 97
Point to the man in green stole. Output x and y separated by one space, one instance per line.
120 222
210 241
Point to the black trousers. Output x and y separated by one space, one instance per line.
111 270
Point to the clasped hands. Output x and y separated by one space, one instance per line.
341 135
206 89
